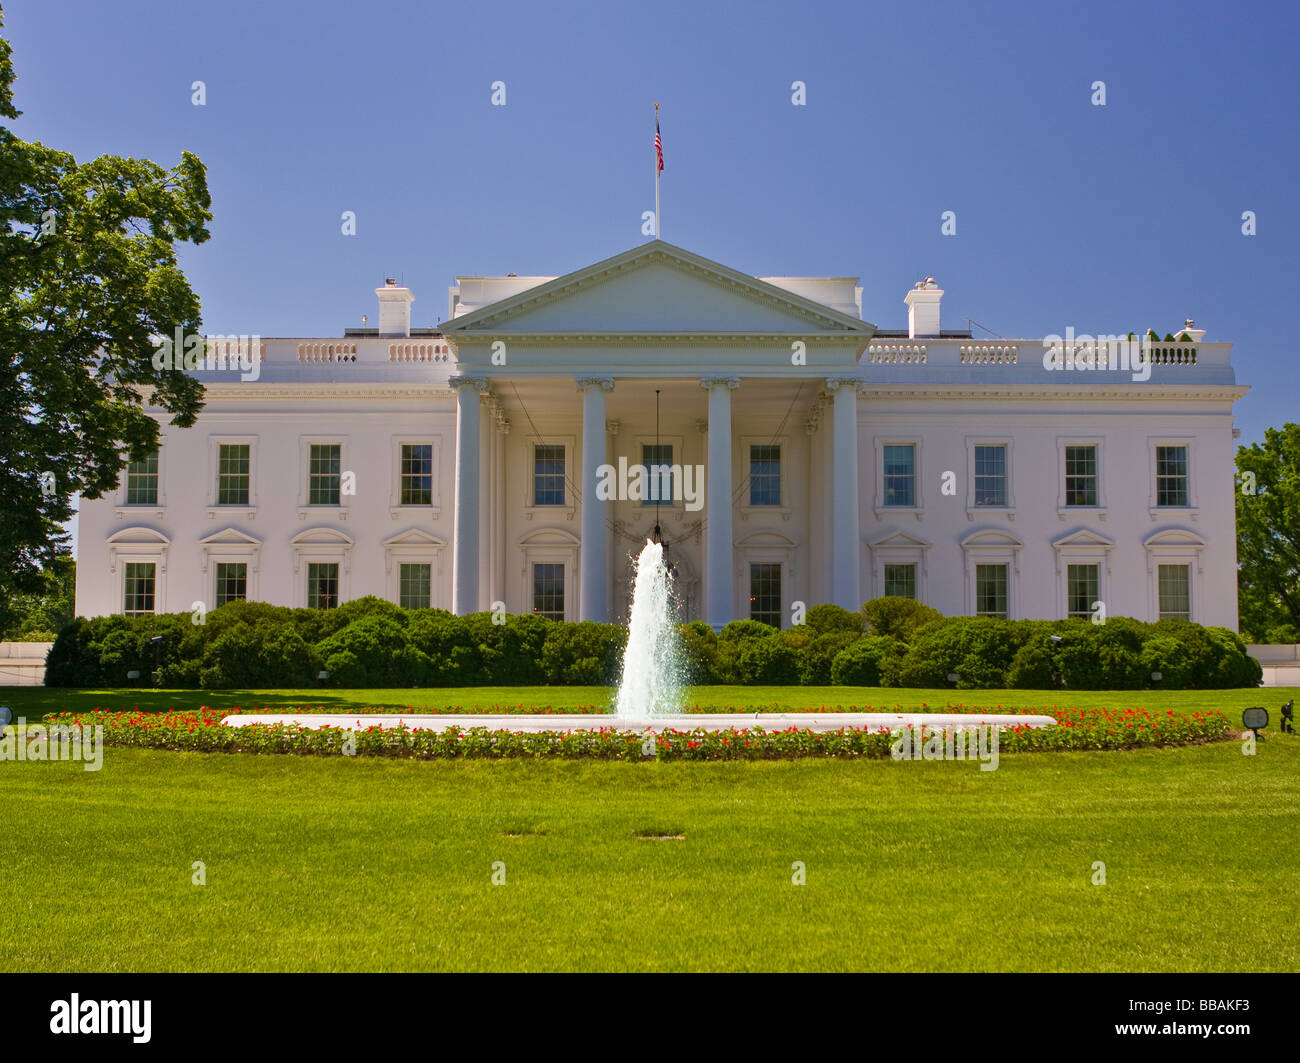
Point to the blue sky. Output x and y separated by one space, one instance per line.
1106 219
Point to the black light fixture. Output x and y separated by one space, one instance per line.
1255 719
157 641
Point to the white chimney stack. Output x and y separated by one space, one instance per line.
394 309
923 309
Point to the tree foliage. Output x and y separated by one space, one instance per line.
1268 535
88 276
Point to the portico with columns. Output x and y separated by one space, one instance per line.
738 363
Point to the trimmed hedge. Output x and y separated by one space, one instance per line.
892 642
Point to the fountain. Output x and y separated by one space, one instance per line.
651 684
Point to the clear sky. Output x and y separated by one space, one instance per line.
1105 218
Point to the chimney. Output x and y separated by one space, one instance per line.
394 309
923 309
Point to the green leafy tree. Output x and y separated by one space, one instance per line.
1268 532
39 617
88 276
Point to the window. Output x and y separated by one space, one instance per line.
323 474
764 475
142 482
765 593
232 474
548 475
990 475
1175 592
1081 476
322 585
900 581
413 586
232 582
548 591
658 461
899 474
1171 476
417 474
138 588
991 590
1082 589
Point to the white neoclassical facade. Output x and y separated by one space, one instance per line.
814 458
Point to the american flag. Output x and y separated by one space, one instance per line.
659 147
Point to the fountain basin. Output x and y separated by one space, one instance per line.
533 722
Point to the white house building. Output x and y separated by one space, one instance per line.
816 458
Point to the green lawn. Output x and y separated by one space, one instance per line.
368 864
34 702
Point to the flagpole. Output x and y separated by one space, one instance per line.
659 228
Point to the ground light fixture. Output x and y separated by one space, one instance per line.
1255 719
157 641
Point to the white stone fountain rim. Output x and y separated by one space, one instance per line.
537 722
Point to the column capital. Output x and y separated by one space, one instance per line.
711 382
479 382
605 383
834 383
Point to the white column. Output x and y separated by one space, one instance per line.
465 527
719 590
846 575
594 594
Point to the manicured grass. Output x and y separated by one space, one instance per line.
34 702
369 864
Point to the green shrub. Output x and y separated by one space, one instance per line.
978 649
1168 656
699 647
829 619
899 618
866 661
1031 669
585 653
767 662
817 658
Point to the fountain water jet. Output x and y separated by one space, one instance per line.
652 681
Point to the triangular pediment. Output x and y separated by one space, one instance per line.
1082 537
657 288
415 537
898 539
230 537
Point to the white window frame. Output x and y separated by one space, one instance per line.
1100 510
123 508
1083 547
321 544
1192 509
339 512
227 546
139 545
992 547
678 504
396 508
746 507
898 548
571 476
551 546
1175 546
918 472
215 442
972 510
415 547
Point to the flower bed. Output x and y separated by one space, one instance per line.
202 731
